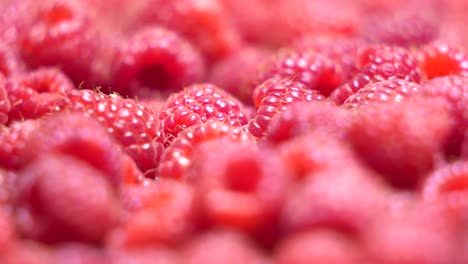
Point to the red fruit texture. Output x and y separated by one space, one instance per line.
177 158
76 253
440 59
7 185
27 252
303 117
380 63
315 71
197 104
34 94
10 62
7 229
206 24
400 140
395 90
132 124
318 246
65 199
225 247
156 60
14 142
272 97
227 75
148 255
240 185
5 105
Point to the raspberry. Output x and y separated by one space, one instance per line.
273 96
67 199
380 63
440 59
302 117
240 185
197 104
58 32
205 24
394 90
161 212
10 63
7 187
313 70
133 125
454 90
149 255
5 105
14 142
178 156
226 74
406 30
320 246
391 139
156 59
336 207
226 247
34 94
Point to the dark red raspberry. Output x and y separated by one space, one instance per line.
394 90
240 186
145 255
197 104
349 206
59 32
302 117
5 105
380 63
401 139
226 74
66 200
156 60
406 30
35 93
206 25
132 124
14 143
318 246
178 156
171 202
273 96
226 247
10 63
315 71
440 58
453 89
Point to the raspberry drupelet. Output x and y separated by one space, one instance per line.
441 58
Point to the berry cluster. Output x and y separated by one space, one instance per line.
233 131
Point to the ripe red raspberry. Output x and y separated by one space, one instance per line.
171 202
35 93
315 71
226 247
302 117
14 142
226 74
5 105
454 90
405 30
178 156
206 24
320 246
380 63
240 185
156 60
197 104
440 58
394 90
66 200
336 208
401 139
133 125
273 96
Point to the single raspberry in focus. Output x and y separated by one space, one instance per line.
156 60
197 104
273 96
380 63
440 58
132 124
308 67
